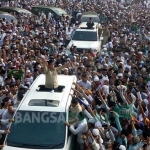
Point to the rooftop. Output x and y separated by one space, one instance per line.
48 100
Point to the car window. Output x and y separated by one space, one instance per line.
35 10
86 19
38 130
24 12
84 36
6 10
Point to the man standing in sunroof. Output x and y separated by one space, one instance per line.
50 70
90 24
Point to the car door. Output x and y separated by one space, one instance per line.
70 142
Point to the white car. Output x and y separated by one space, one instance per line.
86 15
40 118
85 39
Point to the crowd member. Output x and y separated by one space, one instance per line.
110 107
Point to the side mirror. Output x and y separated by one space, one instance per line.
101 38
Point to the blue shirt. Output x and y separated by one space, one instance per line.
121 141
135 147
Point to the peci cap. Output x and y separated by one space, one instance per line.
95 132
51 60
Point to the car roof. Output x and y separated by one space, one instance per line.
49 7
16 9
57 10
89 30
62 97
2 12
90 16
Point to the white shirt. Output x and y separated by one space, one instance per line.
81 128
15 103
106 89
30 80
3 122
90 98
86 84
6 115
1 81
2 36
68 35
95 145
49 16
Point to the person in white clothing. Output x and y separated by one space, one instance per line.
84 82
4 132
8 114
82 127
68 35
49 16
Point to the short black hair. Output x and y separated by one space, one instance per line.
74 100
125 132
81 115
20 96
51 60
3 71
84 74
12 85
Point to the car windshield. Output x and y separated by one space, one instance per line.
85 36
8 18
86 19
37 130
24 12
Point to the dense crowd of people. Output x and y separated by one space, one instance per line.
110 106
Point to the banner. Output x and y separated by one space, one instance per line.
124 111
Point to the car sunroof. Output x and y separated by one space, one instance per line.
42 88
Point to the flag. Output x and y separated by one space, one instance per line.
124 111
16 73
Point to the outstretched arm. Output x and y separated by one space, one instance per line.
63 66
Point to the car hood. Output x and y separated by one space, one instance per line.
18 148
84 44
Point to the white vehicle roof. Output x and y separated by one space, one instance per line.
59 99
85 30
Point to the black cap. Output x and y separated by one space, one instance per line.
51 61
3 71
55 41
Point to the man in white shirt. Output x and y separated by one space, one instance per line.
84 82
4 132
82 127
49 16
8 114
2 77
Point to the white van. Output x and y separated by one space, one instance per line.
40 119
85 39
